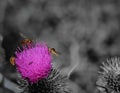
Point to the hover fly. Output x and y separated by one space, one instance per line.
53 51
12 60
26 41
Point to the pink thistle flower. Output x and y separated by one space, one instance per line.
33 61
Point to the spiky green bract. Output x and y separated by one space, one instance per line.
54 83
109 78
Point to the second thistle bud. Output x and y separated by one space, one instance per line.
109 78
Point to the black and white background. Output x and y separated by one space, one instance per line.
85 32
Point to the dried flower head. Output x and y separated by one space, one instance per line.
109 78
33 61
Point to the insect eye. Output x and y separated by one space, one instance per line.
30 41
53 49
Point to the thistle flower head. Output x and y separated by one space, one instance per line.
54 83
110 76
33 61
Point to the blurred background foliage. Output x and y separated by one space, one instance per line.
85 32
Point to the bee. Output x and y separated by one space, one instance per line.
26 41
53 51
12 60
